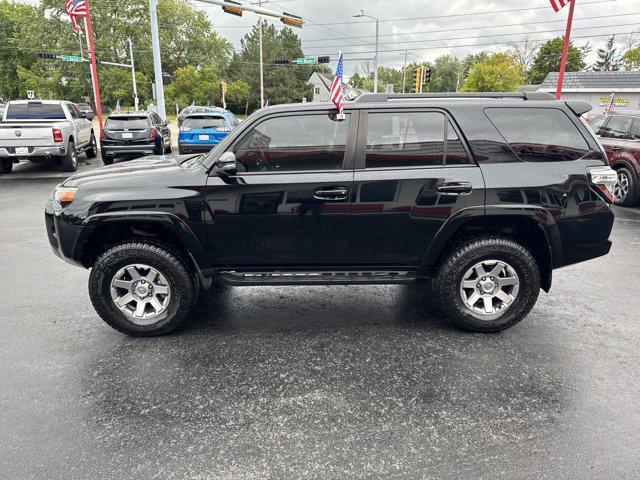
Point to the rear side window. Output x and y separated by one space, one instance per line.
539 134
128 123
617 127
411 139
35 111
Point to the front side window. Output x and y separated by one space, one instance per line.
405 139
617 127
539 134
597 123
634 133
294 143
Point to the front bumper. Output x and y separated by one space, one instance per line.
48 151
66 239
126 150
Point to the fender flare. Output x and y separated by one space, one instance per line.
492 214
179 227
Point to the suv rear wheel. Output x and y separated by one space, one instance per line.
625 189
6 166
488 284
92 149
142 289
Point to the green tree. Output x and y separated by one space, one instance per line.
283 83
471 59
632 59
237 96
608 59
498 73
446 74
191 85
549 56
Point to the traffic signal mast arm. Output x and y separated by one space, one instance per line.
235 8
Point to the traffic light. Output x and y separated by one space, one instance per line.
427 75
326 59
237 11
417 80
224 87
46 55
282 61
292 20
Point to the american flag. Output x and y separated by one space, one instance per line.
336 93
609 108
558 4
76 9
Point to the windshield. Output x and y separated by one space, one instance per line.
204 122
128 123
35 111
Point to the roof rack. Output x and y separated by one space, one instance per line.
385 97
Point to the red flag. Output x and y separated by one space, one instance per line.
76 9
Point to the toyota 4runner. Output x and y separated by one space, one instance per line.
484 194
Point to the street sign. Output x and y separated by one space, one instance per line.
31 94
70 58
305 60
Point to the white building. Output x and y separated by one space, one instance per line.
596 88
322 86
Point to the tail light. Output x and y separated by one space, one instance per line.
222 129
102 136
152 135
57 135
604 179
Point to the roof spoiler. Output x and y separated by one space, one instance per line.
579 107
385 97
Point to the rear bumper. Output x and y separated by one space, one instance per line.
196 147
46 151
124 150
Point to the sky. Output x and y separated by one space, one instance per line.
428 29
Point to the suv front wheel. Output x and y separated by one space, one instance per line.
142 289
488 284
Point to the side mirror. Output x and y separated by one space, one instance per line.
227 164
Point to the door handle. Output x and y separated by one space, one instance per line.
616 149
332 194
454 188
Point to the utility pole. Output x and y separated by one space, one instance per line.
157 63
375 59
133 76
404 71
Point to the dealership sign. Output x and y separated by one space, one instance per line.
617 102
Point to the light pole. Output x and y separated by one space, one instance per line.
133 75
157 63
404 71
375 59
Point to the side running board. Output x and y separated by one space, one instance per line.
318 278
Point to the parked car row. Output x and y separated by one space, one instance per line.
620 136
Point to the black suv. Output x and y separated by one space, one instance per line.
127 135
484 194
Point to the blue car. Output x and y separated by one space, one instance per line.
201 131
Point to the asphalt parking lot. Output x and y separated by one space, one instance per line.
314 382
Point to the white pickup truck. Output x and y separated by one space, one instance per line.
37 130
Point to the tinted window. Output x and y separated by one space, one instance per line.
35 110
539 134
456 153
617 127
597 123
399 139
294 143
205 122
130 123
634 133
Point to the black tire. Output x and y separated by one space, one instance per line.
158 149
629 199
92 149
180 152
448 281
183 286
107 160
69 162
168 149
6 166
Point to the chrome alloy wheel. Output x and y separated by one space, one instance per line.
621 190
141 292
489 288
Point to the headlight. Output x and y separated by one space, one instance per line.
64 195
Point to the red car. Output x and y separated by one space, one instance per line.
620 136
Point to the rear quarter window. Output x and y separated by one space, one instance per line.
539 134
